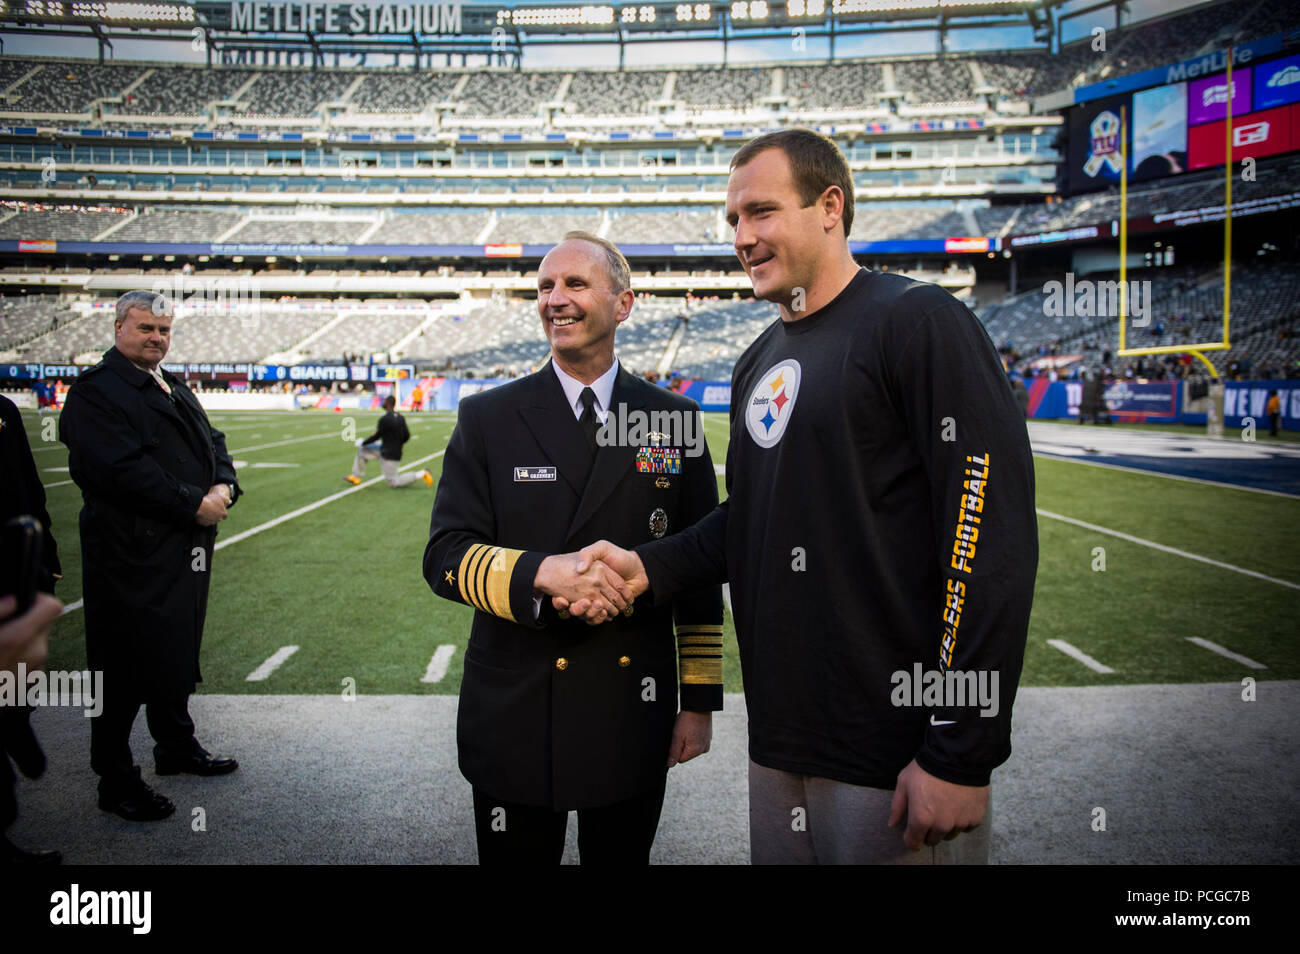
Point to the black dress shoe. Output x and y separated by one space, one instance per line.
132 799
200 763
11 854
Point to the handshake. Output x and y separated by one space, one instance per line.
595 584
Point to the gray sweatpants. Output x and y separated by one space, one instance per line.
806 820
388 467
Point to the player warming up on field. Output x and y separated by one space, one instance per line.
390 434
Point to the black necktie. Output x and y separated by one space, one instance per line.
590 424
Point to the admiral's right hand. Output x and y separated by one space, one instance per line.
596 586
211 511
625 563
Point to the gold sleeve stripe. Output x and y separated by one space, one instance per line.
701 640
463 572
498 572
693 628
701 672
468 568
478 578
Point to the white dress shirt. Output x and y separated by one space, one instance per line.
603 387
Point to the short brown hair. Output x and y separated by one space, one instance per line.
815 161
620 273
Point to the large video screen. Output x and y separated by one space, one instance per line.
1179 127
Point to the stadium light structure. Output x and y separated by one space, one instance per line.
749 10
927 8
557 16
694 12
77 11
805 8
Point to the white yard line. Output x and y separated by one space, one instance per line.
1080 655
271 665
1164 549
438 664
1222 651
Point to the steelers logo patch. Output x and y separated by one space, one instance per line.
770 404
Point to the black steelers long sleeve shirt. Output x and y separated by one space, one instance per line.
879 537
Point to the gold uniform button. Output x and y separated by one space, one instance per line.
561 664
624 662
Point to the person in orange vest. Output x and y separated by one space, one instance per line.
417 398
1274 411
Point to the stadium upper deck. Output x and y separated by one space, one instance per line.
426 102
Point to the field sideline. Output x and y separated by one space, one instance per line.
307 561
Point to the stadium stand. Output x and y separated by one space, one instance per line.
723 88
935 81
432 227
372 330
716 333
601 93
404 92
1186 308
500 336
665 226
840 86
533 227
25 317
289 93
66 223
177 225
290 229
874 221
175 91
69 87
499 94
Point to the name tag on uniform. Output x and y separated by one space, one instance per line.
534 473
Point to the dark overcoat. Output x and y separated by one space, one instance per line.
143 461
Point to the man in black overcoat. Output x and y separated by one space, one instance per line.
155 480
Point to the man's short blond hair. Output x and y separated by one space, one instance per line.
620 273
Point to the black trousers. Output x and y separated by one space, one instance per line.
618 834
110 733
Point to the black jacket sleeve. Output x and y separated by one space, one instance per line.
225 471
21 490
697 611
462 561
949 387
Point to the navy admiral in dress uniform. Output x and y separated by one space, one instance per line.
557 715
155 479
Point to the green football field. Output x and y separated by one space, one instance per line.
307 561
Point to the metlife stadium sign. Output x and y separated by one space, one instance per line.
355 18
